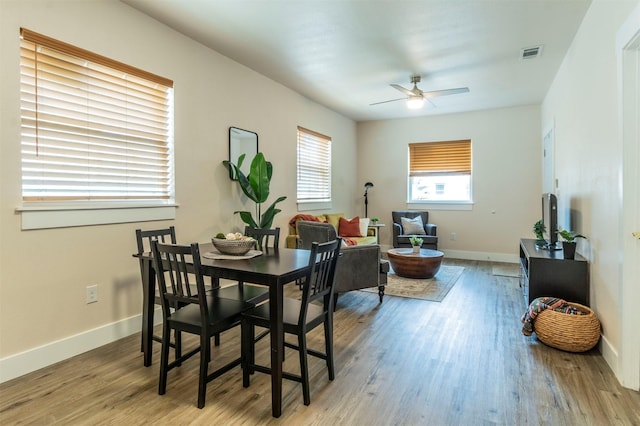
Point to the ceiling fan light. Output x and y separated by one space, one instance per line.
415 102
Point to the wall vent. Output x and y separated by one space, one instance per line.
530 52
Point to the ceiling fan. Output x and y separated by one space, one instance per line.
416 97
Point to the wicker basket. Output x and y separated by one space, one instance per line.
568 332
233 247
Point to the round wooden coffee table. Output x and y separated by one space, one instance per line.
406 263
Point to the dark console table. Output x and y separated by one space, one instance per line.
546 273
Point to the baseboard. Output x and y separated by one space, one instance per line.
34 359
473 255
478 255
610 355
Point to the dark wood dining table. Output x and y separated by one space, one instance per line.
273 268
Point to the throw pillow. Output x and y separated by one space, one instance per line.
412 226
349 228
364 226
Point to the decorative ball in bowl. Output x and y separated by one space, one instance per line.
238 245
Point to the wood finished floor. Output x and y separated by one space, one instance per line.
406 362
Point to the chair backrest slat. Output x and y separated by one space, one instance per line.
262 237
173 266
144 238
320 280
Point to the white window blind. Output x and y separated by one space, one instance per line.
92 128
314 166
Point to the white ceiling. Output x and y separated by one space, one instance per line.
344 54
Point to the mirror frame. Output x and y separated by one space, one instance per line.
237 147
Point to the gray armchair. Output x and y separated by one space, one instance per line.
401 238
358 266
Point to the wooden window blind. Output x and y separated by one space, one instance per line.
314 166
450 157
92 128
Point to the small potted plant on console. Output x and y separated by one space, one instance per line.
569 242
538 230
416 243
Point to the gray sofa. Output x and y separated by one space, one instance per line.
401 239
358 267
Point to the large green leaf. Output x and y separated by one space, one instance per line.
259 178
256 187
266 220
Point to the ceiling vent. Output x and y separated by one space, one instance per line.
530 52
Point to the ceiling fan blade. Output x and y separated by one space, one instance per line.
403 90
445 92
392 100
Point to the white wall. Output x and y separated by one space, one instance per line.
43 273
583 102
506 177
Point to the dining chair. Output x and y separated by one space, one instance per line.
143 239
299 317
262 236
201 314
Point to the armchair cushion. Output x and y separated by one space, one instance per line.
412 226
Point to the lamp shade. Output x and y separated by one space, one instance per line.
368 185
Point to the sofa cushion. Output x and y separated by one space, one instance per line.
412 226
349 228
334 219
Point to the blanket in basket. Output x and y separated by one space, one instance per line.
540 304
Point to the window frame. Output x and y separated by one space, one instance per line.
59 211
320 156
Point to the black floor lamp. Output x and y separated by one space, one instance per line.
366 200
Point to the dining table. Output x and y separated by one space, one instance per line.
273 268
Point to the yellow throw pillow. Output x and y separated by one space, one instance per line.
334 219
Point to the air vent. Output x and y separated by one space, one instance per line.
530 52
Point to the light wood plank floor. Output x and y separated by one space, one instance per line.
406 362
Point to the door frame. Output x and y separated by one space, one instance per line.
628 53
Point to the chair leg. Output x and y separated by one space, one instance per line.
164 359
328 342
304 368
247 349
205 354
178 345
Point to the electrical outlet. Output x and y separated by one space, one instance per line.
453 236
92 293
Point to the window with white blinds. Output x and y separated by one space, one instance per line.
92 129
440 171
314 167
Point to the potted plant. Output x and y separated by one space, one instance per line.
256 187
374 220
539 230
416 243
569 242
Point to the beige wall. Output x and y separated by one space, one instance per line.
43 273
506 176
584 104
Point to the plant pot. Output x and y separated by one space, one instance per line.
569 250
416 249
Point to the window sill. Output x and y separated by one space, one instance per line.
39 216
318 205
435 205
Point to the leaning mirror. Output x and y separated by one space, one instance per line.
242 142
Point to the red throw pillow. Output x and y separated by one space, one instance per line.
349 228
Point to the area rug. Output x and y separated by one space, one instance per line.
433 289
506 269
